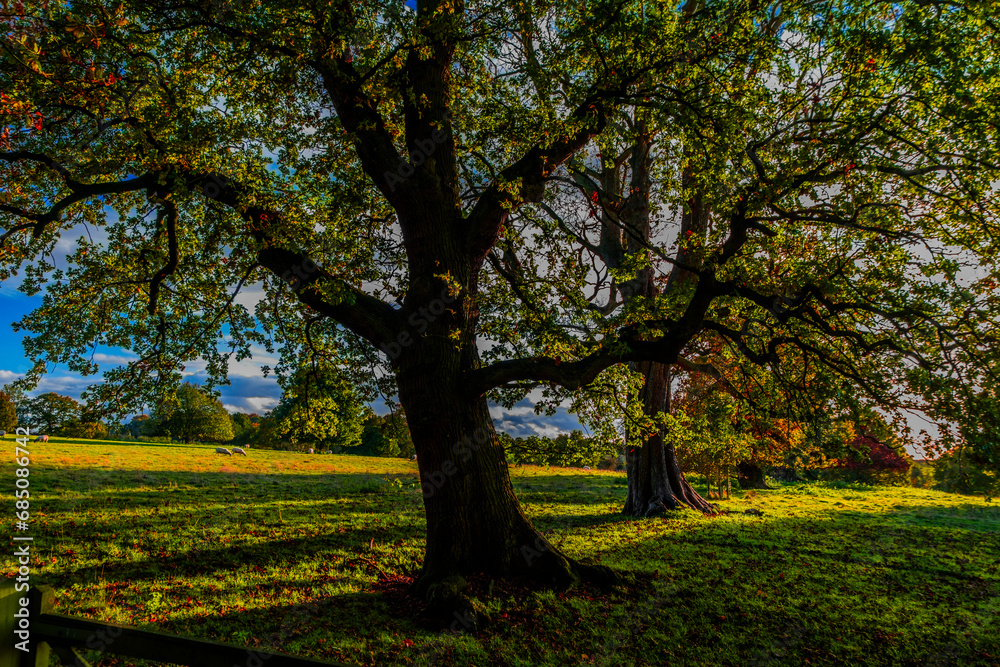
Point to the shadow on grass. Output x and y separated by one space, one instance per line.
220 559
838 587
124 480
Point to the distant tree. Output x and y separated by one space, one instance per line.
241 422
88 430
89 425
319 405
92 413
374 440
799 418
873 459
134 427
190 415
712 436
565 449
385 435
245 427
397 429
968 430
966 451
8 412
49 411
957 472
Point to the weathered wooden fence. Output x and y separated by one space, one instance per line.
67 636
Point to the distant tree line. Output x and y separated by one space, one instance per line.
566 449
328 416
717 437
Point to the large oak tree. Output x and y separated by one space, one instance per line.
389 166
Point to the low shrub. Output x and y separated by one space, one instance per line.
954 473
154 438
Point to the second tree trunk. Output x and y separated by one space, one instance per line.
655 480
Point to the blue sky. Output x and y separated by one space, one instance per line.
13 306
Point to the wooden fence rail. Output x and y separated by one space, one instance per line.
67 636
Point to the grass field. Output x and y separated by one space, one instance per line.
311 555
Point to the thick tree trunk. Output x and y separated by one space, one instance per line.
474 522
750 476
655 480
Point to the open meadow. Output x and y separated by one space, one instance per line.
311 554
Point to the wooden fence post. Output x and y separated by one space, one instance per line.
40 601
9 606
67 636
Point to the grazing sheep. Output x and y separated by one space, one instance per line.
329 451
309 451
42 438
3 434
239 450
586 467
223 450
413 458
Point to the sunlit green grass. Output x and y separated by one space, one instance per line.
296 552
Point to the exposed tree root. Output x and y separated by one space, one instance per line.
444 592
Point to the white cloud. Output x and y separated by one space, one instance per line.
245 368
250 296
498 412
521 420
8 376
250 368
69 385
522 429
545 430
509 427
116 359
196 367
260 404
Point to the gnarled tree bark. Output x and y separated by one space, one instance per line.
655 480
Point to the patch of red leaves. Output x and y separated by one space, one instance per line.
872 454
